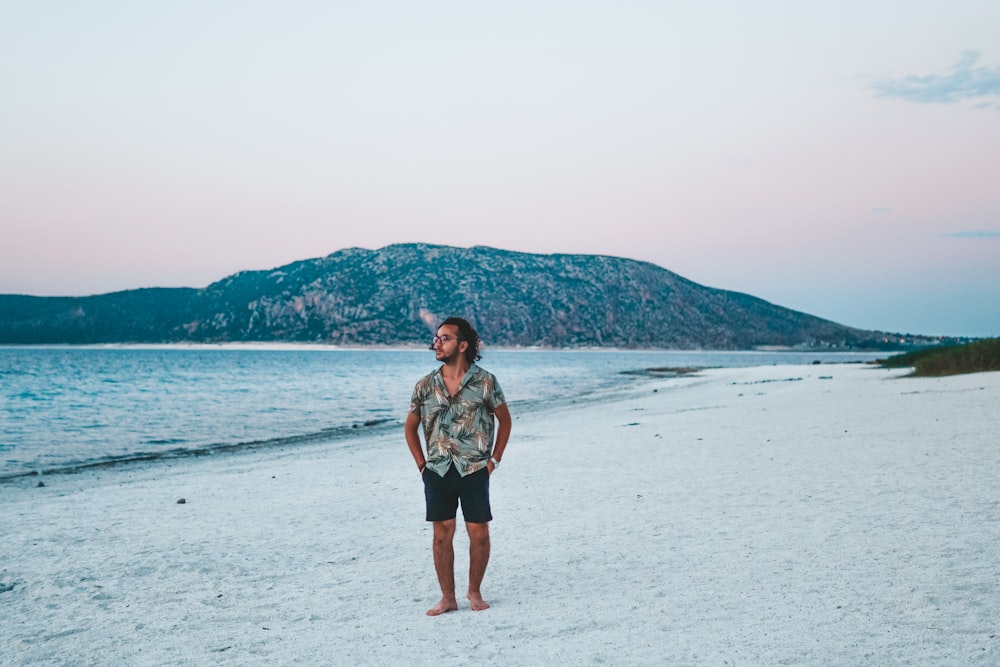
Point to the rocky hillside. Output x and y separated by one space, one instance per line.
397 295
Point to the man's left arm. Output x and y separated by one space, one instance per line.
502 413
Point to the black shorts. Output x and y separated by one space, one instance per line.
444 493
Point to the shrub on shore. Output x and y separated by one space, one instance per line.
979 356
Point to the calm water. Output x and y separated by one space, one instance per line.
61 407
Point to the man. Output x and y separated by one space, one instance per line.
456 405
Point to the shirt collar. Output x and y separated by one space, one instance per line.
473 369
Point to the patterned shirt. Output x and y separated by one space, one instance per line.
457 429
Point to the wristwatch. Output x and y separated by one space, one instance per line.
496 464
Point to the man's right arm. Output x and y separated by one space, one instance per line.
412 431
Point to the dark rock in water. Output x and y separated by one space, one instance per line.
40 484
181 501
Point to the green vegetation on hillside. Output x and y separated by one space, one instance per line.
396 295
979 356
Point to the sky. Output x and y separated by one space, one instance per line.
841 159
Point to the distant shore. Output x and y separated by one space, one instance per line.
318 345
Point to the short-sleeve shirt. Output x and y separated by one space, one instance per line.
457 429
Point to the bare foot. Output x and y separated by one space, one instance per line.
478 603
445 605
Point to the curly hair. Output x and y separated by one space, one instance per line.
469 335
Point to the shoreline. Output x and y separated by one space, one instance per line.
333 435
831 514
39 459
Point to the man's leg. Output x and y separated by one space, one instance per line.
479 557
444 564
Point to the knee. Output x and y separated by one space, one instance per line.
479 534
444 533
443 538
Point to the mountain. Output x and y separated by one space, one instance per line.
398 294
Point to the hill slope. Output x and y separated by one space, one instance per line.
399 293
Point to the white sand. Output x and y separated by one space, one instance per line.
778 515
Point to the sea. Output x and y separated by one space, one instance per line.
69 408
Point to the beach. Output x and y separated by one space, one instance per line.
819 515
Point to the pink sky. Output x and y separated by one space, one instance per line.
840 161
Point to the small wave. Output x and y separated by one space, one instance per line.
665 371
32 396
367 427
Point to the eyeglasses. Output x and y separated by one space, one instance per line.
443 339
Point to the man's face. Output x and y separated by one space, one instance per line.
447 347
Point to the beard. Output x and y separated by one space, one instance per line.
444 357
